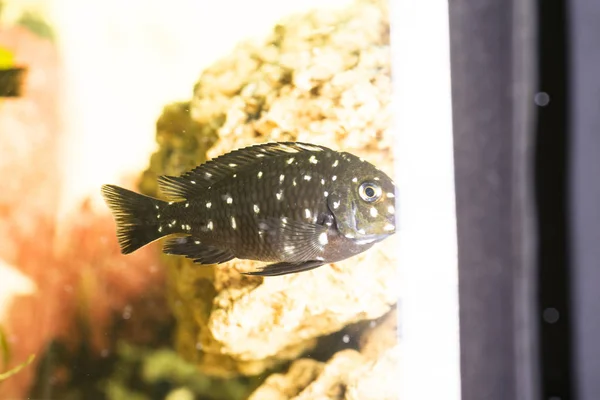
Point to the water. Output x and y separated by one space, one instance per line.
121 97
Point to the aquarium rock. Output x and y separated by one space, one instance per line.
324 78
349 375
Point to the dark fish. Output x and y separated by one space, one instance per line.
296 205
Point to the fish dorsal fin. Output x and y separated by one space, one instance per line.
195 181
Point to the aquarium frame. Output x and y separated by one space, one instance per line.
493 53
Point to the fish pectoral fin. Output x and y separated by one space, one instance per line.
284 268
295 240
194 249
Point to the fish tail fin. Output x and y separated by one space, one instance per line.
135 215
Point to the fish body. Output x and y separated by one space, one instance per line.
295 205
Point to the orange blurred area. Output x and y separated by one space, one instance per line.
83 287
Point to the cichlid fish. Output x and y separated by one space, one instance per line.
295 205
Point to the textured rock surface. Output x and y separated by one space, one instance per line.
322 77
371 374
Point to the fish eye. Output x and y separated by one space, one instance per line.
369 191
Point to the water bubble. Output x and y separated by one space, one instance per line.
551 315
541 99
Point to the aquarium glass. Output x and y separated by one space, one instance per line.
128 93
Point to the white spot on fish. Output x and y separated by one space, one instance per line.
335 164
325 194
294 182
256 209
260 174
234 175
354 180
182 226
376 179
333 178
349 235
313 160
173 222
322 181
260 155
336 204
233 224
362 231
289 249
193 182
158 216
307 213
208 204
391 195
207 175
284 220
281 178
389 227
373 212
279 195
187 205
233 165
320 258
361 159
210 225
391 209
197 241
160 228
188 227
290 160
156 206
323 238
307 177
229 200
170 203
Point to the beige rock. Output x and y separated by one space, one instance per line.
377 380
331 383
371 374
349 375
285 386
323 77
382 336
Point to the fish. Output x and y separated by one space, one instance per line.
293 205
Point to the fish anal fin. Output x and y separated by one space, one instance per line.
284 268
198 179
195 250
